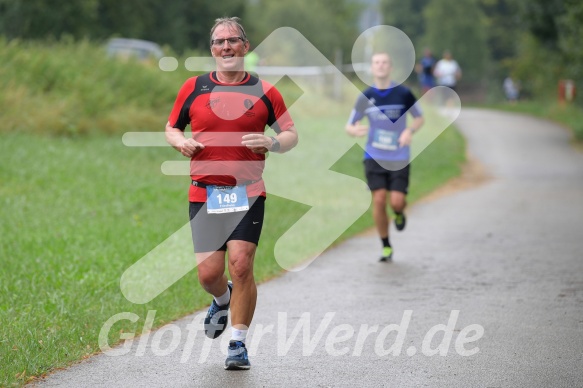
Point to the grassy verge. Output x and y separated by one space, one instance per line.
73 88
569 115
77 211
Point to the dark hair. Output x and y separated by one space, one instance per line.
232 21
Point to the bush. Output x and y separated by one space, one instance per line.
70 88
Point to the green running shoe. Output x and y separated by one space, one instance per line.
387 254
400 221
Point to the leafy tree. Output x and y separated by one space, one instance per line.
181 23
541 19
570 27
504 26
552 35
328 24
128 18
41 19
459 26
406 16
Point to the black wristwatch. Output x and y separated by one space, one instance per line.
275 145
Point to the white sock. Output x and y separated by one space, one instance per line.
224 299
238 335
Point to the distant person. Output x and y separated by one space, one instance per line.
228 111
387 153
511 90
425 71
447 73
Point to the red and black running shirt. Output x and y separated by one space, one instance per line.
219 115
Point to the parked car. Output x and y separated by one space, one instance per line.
125 48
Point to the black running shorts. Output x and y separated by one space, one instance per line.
391 176
210 232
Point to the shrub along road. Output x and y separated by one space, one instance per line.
486 289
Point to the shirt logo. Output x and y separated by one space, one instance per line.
249 106
212 102
393 114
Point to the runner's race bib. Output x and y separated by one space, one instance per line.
385 140
226 199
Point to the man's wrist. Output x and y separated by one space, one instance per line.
412 130
275 145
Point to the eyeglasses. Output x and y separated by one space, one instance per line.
232 41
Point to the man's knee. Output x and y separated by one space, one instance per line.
241 265
209 275
398 202
379 199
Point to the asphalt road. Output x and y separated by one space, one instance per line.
485 290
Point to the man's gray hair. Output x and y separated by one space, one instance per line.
232 21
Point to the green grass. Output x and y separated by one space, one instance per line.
72 88
77 211
569 115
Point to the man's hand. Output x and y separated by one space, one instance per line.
406 137
357 129
190 147
259 144
187 147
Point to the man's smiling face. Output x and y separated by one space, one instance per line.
228 56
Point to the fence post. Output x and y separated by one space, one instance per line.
567 91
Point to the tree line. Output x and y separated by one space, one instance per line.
536 41
181 24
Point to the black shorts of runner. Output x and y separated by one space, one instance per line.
391 176
210 232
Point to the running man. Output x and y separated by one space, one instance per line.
425 71
228 110
387 154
